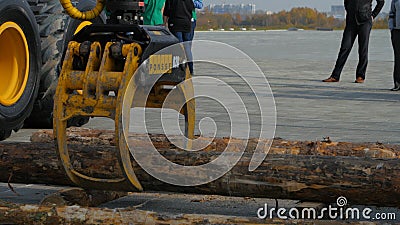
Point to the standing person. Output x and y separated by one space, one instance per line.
358 23
178 19
198 4
394 26
178 16
153 14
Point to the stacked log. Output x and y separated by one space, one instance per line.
308 171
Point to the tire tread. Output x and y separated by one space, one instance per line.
52 23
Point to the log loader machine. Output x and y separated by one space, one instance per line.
104 64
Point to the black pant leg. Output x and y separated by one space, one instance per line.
396 48
349 36
364 32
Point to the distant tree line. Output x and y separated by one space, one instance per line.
303 17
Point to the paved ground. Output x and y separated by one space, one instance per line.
345 111
26 193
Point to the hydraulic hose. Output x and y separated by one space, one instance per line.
77 14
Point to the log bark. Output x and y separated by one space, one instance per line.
315 171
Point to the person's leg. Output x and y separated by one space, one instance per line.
349 36
395 34
188 48
191 67
363 43
178 35
194 24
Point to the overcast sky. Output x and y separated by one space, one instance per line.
278 5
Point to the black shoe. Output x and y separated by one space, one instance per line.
396 88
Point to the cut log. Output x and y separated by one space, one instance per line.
316 173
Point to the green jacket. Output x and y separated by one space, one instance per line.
198 4
152 14
194 15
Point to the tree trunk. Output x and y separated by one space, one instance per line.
313 172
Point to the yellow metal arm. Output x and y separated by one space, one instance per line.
77 14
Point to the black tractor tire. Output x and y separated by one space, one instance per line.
12 116
55 32
51 22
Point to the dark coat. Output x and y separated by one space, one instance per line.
360 11
179 13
